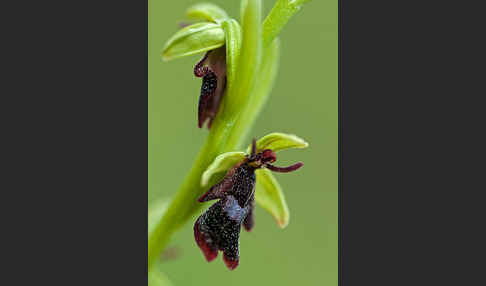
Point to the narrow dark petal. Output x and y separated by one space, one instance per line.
285 169
253 148
249 221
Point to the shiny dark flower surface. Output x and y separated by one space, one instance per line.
212 69
218 229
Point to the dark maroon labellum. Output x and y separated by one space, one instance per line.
212 69
218 229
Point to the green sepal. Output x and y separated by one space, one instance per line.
279 141
222 163
194 39
207 12
269 195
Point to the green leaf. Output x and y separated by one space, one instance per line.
206 11
156 210
222 163
269 195
232 31
158 278
279 141
280 14
193 39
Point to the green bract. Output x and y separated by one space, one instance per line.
222 163
193 39
279 141
206 11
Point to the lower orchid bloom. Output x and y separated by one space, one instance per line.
218 229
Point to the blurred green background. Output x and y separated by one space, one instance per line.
304 101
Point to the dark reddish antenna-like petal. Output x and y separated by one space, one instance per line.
199 69
285 169
253 148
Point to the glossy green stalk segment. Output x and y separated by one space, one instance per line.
280 14
185 203
232 32
248 62
259 95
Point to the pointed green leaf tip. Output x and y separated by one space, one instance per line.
193 39
156 211
158 278
222 163
279 141
269 195
207 12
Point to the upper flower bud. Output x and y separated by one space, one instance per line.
212 68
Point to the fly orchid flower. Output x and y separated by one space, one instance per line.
212 69
218 229
217 35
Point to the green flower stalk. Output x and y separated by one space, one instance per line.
251 59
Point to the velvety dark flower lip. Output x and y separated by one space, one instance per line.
218 228
212 69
